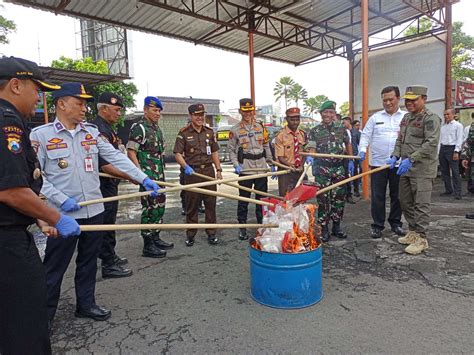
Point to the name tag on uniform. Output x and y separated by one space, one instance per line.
208 150
379 122
88 164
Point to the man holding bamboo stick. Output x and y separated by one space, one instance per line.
330 137
249 148
68 150
195 150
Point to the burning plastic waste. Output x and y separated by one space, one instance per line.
296 232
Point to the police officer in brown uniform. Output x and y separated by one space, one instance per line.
417 146
249 148
195 150
289 142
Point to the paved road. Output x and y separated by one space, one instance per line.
377 299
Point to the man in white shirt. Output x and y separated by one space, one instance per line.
381 132
451 139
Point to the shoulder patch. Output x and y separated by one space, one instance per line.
42 126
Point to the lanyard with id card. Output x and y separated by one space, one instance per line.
88 162
208 147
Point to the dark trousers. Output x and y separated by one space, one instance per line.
449 168
357 170
58 255
107 250
378 188
23 315
260 184
193 201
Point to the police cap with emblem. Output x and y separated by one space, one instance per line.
12 67
110 99
196 109
293 112
74 90
415 91
246 105
153 101
327 105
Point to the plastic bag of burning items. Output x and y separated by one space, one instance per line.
295 232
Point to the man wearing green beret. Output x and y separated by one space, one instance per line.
417 147
330 137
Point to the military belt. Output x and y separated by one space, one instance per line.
254 156
201 166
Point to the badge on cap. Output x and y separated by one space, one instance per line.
113 100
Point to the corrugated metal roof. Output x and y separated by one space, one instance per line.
59 76
288 31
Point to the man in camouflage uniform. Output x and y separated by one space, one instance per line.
145 148
467 156
330 137
417 146
249 148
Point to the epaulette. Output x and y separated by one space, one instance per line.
185 128
88 124
42 126
208 128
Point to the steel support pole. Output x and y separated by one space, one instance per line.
351 88
45 107
365 84
251 65
449 53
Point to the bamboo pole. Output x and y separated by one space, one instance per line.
255 170
205 192
280 165
181 187
352 178
241 187
323 155
124 227
300 180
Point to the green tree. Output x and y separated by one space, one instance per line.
6 27
282 88
296 93
425 25
344 109
312 104
125 90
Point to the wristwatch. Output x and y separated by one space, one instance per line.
219 170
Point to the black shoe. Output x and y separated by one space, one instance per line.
446 194
350 200
325 235
398 231
458 197
160 243
150 250
189 242
120 261
201 209
470 215
376 233
337 230
115 271
94 312
357 194
183 212
212 240
243 234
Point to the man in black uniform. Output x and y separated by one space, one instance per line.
110 108
23 316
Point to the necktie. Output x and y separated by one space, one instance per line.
296 147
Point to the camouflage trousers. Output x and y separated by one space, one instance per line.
153 209
331 204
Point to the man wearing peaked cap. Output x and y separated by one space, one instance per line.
417 147
289 143
196 150
23 312
146 149
69 150
330 137
110 108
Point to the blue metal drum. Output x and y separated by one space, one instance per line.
286 280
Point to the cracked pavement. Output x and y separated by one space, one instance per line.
197 300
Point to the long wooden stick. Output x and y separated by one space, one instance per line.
352 178
181 187
280 165
205 192
300 180
241 187
323 155
124 227
255 170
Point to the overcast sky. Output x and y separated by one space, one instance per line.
167 67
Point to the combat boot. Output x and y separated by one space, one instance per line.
160 243
243 234
325 235
337 230
409 238
417 247
150 250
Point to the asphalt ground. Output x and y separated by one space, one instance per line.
197 300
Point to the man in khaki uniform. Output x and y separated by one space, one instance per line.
417 147
289 142
249 148
195 150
